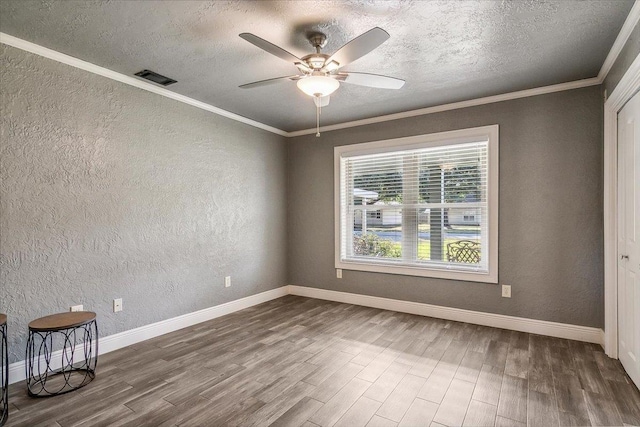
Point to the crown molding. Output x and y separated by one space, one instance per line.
626 30
132 81
621 39
456 105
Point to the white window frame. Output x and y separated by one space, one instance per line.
439 139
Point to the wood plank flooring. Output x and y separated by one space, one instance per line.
306 362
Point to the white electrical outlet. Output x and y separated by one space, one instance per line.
506 291
117 305
76 308
227 281
339 273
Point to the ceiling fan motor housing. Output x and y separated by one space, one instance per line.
317 40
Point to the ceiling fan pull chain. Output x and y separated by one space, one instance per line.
318 120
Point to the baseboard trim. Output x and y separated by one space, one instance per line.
143 333
540 327
136 335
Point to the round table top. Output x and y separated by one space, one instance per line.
60 321
3 319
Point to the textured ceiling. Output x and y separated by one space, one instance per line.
447 51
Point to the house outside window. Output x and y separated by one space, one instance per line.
425 205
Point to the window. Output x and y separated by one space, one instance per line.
425 205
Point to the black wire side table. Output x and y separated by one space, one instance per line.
4 371
76 334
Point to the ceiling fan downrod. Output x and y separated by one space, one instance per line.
317 40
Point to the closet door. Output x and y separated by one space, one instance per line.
629 238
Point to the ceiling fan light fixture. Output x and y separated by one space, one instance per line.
318 85
319 77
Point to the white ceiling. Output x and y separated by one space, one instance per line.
447 51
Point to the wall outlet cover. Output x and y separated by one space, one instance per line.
506 291
227 281
117 305
339 273
76 308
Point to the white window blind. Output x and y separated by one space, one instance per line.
422 207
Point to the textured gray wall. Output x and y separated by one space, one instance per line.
627 55
551 235
108 191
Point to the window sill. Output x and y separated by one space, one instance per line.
404 270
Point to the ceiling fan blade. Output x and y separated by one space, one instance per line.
321 101
269 81
359 46
372 80
270 47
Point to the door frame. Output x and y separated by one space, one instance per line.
628 86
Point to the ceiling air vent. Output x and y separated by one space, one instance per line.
156 78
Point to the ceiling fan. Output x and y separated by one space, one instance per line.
320 73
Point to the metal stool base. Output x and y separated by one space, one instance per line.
88 376
4 374
79 342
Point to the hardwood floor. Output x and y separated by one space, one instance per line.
305 362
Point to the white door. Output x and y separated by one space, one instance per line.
629 238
